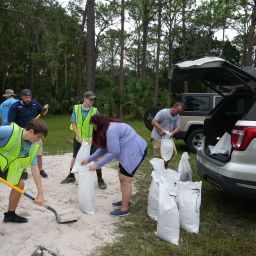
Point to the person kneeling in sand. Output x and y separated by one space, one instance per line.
117 140
18 149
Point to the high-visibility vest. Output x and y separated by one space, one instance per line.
84 126
10 161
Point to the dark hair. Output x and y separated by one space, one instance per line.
38 125
99 135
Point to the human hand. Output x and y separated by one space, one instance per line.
84 162
45 109
80 140
39 199
92 167
163 133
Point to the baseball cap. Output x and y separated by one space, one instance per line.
90 95
25 92
8 93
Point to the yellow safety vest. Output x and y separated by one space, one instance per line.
10 161
84 126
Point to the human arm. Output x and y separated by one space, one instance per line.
98 153
37 180
176 127
77 134
45 110
156 124
12 113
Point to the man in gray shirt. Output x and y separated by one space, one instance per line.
165 120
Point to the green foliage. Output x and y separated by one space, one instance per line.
137 97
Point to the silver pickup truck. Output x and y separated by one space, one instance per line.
196 108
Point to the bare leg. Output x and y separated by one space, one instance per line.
14 197
126 190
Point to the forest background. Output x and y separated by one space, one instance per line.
122 50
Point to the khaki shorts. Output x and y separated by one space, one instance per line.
157 145
40 150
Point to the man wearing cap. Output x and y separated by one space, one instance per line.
23 111
83 130
5 106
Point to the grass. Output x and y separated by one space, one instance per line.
227 224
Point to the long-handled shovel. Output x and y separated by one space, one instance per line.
22 192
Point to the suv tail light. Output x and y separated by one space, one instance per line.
242 136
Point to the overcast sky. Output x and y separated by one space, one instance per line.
230 33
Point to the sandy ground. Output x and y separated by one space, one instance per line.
76 239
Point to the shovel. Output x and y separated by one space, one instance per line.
22 192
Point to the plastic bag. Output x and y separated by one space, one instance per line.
168 224
153 195
223 146
184 168
86 200
189 205
159 174
166 148
82 154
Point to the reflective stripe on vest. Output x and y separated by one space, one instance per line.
11 149
17 166
9 156
84 127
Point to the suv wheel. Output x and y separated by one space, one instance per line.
194 140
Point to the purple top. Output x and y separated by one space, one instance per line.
123 144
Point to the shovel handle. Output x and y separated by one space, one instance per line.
22 192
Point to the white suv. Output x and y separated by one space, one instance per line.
234 173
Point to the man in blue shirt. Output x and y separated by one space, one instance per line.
5 106
23 111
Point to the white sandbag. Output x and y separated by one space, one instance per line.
159 174
168 224
153 195
223 146
86 200
189 205
184 168
166 148
158 170
82 154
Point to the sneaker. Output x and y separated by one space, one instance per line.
24 175
43 174
69 179
119 213
14 218
102 184
118 203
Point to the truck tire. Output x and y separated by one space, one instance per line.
194 139
149 115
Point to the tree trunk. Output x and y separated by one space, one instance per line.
250 58
121 72
159 26
78 72
144 49
65 68
79 55
90 46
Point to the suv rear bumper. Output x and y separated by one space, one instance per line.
232 186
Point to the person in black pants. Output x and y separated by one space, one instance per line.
82 128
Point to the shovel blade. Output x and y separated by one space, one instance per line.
60 219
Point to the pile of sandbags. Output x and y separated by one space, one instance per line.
173 202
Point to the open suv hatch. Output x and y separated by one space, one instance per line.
233 172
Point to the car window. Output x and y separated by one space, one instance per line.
196 103
239 106
218 99
251 115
